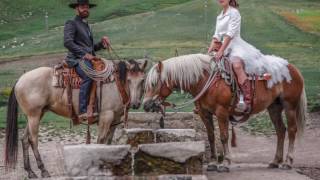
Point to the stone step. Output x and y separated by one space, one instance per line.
97 160
169 158
175 135
134 137
138 136
160 177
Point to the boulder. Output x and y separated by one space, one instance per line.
175 135
169 158
97 160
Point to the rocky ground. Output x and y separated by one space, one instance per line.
250 158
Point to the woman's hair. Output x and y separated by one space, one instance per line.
234 3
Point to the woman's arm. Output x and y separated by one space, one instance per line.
233 28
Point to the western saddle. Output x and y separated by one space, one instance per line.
67 78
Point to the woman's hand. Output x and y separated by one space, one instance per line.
218 55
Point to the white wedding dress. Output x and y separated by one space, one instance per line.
255 62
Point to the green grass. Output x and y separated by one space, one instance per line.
164 26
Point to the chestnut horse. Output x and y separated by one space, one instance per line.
191 72
35 95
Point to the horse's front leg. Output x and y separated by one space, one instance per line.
206 118
113 128
106 119
223 121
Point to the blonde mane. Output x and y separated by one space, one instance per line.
183 70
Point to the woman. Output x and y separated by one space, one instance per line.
243 56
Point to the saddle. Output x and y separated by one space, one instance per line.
225 72
67 78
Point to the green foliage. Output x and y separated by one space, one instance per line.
260 124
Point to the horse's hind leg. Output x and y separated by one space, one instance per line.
25 149
292 130
275 111
33 123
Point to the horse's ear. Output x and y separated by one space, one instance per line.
142 63
159 67
129 65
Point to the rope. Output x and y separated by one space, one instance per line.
96 75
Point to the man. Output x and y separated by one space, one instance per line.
78 40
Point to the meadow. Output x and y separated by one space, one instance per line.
160 28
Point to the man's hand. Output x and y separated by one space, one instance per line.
105 42
89 57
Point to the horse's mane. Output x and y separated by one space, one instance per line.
122 71
183 70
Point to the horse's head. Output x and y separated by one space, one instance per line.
156 90
135 79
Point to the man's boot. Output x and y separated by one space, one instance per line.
247 96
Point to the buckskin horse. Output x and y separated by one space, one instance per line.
191 73
35 95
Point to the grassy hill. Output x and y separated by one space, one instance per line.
159 27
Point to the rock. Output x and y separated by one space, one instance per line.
169 158
182 177
175 135
97 160
134 137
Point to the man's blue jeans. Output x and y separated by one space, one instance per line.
84 88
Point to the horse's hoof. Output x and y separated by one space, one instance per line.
286 167
45 174
32 175
212 167
223 169
273 166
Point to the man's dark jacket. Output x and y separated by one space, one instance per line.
78 40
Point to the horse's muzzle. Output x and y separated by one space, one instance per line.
151 106
135 105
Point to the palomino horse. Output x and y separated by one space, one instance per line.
35 95
191 72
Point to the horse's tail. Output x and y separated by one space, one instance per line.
11 149
301 114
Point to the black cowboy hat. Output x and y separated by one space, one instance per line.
75 3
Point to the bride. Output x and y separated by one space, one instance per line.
244 57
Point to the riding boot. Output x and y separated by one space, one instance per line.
246 90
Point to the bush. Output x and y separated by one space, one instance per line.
4 95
